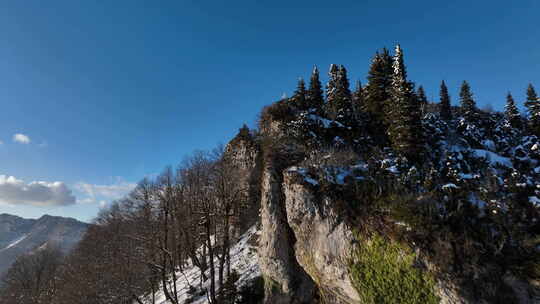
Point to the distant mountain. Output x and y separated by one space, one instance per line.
19 236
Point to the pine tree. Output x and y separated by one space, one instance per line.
331 88
468 105
405 133
315 97
533 109
511 112
444 106
414 112
244 132
377 95
332 82
358 101
345 108
343 83
338 95
422 99
299 96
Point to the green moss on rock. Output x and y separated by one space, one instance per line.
271 286
383 272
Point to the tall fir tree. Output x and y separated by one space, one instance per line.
406 131
345 108
358 101
299 96
377 95
511 112
332 82
445 106
422 99
338 95
468 105
343 82
331 91
533 110
315 98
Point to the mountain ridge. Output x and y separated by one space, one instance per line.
20 236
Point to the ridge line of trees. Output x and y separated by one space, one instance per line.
390 110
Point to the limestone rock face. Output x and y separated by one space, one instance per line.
285 280
243 151
306 245
323 241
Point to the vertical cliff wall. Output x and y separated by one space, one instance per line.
324 243
285 280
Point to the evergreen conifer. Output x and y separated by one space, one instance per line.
422 99
299 96
533 109
358 101
444 107
377 95
511 112
315 99
405 132
468 105
338 95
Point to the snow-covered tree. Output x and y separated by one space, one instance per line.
331 86
468 105
315 97
533 109
511 112
444 106
338 95
405 132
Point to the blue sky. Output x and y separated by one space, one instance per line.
107 92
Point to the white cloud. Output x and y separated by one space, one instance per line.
21 138
1 142
86 200
39 193
102 193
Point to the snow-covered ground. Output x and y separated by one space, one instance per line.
244 260
492 157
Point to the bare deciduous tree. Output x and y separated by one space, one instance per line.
32 278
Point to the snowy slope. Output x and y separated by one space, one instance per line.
244 260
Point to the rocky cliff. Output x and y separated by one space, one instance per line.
324 242
312 250
307 248
286 281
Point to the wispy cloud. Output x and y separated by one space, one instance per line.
38 193
21 138
101 193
